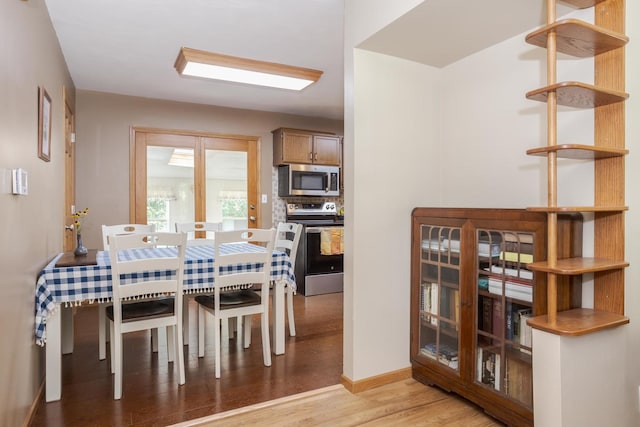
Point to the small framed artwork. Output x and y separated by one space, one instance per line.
44 124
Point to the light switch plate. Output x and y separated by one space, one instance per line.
264 198
19 182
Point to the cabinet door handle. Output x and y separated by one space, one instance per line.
315 156
310 156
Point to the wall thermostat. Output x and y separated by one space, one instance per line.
19 181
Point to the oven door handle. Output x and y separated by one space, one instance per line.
317 230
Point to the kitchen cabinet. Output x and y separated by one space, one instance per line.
471 294
305 147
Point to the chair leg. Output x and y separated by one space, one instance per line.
111 348
116 342
154 340
292 322
170 331
218 343
246 328
266 341
102 332
185 320
200 331
232 326
179 348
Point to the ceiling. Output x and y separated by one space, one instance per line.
129 46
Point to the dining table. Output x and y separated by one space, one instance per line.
68 281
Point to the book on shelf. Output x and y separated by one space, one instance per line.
524 336
518 242
488 368
429 302
519 380
520 273
486 314
445 354
518 257
512 289
497 320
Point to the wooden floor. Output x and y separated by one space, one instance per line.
152 397
404 403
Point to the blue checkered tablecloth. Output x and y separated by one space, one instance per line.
74 285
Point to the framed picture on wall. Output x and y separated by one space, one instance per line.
44 124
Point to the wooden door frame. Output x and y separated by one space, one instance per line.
68 241
137 166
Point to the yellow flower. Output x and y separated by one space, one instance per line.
78 218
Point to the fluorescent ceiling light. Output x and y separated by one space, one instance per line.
182 157
198 63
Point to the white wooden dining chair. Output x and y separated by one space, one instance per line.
192 229
244 303
146 301
287 240
194 232
107 230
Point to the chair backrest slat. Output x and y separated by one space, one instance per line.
227 272
288 239
191 228
121 229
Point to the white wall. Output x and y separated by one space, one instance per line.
395 168
486 125
632 218
362 18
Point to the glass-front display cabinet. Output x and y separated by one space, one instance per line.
471 296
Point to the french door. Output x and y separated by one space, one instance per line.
181 176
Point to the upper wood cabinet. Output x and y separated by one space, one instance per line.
305 147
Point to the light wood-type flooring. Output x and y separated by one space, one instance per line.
313 360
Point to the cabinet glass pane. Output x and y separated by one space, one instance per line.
440 294
505 297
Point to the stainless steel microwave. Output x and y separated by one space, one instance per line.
308 180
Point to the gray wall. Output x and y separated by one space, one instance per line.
30 226
103 125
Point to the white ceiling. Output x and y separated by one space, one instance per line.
129 46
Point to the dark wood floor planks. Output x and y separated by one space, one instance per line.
151 395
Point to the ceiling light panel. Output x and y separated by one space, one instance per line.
198 63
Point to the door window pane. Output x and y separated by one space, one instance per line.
226 175
170 186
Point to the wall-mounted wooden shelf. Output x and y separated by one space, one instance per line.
567 209
575 266
578 95
579 321
582 4
578 38
578 151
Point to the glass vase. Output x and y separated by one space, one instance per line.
80 249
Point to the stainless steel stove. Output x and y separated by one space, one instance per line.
317 273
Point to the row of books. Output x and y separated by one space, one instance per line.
488 368
440 302
509 323
445 354
485 249
512 289
518 381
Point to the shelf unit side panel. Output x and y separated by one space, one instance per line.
609 174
